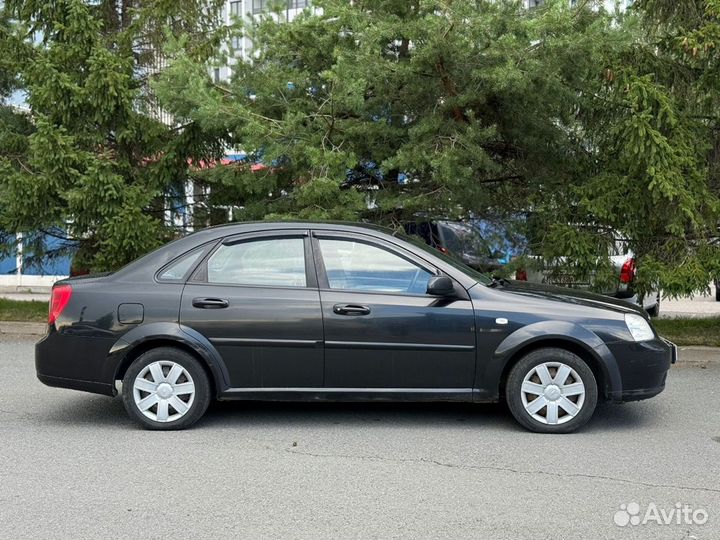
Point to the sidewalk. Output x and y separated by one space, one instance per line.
27 297
22 328
692 306
25 294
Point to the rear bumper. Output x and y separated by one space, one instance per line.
74 362
74 384
643 368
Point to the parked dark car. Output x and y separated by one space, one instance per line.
321 311
459 239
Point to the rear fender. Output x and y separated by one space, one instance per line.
165 334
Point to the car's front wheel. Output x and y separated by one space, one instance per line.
166 388
551 391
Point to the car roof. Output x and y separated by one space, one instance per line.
144 268
175 248
229 229
297 224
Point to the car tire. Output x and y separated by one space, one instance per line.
655 310
567 404
166 389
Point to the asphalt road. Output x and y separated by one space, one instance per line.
73 466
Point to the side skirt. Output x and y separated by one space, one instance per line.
351 394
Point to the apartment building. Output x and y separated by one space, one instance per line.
241 47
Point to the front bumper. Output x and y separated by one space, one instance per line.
673 350
643 367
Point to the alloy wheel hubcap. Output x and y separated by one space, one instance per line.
552 393
164 391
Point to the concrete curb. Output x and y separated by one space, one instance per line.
702 355
22 328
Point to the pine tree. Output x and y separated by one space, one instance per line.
98 162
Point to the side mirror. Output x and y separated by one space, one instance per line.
440 286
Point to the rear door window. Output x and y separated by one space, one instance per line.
278 262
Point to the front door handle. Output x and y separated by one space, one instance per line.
351 309
210 303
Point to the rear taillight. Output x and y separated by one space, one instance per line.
442 249
59 298
627 272
521 275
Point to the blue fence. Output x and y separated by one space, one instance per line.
50 266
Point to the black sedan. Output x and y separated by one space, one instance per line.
338 312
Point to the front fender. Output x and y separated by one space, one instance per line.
167 333
555 333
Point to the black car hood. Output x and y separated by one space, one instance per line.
572 296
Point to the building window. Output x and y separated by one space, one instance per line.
259 6
216 75
535 3
235 9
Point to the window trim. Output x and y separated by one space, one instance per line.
324 283
200 275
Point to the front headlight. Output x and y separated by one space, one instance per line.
639 328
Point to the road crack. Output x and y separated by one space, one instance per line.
437 463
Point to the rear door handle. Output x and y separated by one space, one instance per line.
351 309
210 303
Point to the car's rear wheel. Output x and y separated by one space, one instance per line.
655 310
551 391
166 388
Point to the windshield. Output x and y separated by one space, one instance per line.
463 238
450 259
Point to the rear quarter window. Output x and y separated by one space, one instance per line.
179 268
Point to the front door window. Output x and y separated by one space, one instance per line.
357 266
